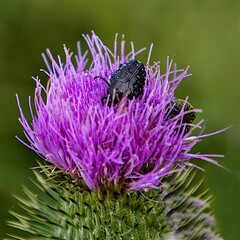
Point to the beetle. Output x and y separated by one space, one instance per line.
176 106
128 79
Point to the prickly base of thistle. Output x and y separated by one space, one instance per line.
188 212
70 211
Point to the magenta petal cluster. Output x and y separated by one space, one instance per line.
132 144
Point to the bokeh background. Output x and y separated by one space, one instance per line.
203 34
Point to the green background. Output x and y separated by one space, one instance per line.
204 34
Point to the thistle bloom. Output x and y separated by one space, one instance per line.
131 145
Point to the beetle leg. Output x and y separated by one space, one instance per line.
104 79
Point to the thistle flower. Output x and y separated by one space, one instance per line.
131 145
101 156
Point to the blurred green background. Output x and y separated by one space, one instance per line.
203 34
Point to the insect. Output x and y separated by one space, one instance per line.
176 106
128 79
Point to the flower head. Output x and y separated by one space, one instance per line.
132 144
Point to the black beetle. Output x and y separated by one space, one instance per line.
128 79
176 106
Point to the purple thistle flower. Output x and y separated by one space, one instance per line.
131 145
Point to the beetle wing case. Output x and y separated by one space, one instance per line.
129 78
